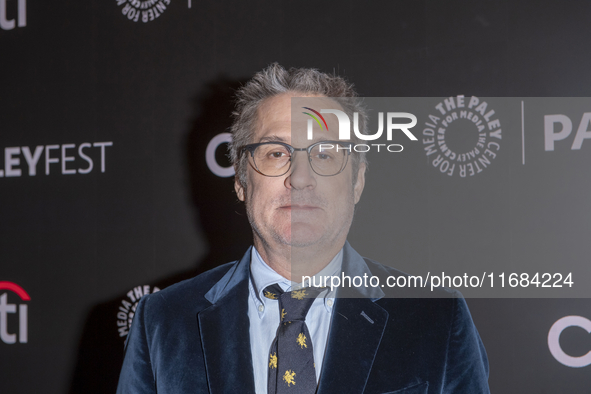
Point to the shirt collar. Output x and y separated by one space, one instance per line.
261 276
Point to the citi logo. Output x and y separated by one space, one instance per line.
7 309
345 124
20 11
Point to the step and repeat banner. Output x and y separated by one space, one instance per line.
114 179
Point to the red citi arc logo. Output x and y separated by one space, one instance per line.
6 309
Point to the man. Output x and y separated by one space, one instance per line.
247 326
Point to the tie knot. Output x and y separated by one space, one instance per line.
294 305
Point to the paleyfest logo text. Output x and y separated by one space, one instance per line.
472 122
345 129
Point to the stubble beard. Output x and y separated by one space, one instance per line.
284 236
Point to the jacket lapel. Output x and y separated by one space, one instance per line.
355 334
224 330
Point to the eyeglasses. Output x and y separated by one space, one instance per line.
327 158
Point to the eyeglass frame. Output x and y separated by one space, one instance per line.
251 148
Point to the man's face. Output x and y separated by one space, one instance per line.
300 208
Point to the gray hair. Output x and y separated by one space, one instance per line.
275 80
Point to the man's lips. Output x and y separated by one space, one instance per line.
300 207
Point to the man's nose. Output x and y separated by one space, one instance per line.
301 175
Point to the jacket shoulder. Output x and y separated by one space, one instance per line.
189 293
399 284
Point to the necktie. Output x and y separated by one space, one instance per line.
291 359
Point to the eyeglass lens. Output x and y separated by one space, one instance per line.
275 159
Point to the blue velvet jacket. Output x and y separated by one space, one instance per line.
193 337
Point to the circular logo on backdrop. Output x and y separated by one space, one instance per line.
128 305
210 159
554 341
143 10
462 136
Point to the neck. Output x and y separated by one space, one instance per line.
294 262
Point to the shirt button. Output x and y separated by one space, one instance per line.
329 302
261 308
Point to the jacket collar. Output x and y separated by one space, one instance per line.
235 275
353 265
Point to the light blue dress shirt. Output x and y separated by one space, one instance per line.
264 316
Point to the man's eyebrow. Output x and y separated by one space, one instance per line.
319 139
272 138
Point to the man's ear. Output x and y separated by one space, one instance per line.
238 188
358 188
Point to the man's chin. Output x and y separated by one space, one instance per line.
299 235
302 236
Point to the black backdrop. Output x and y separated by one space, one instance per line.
142 100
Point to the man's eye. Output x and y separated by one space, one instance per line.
323 156
277 155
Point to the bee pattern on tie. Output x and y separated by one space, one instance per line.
291 357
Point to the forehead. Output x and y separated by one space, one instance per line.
282 118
